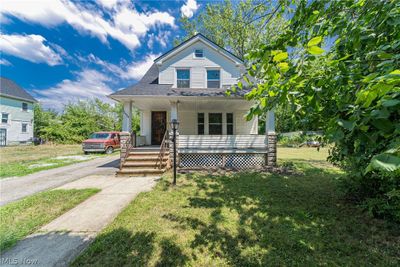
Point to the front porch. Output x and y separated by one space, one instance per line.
212 133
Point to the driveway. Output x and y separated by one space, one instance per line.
60 241
18 187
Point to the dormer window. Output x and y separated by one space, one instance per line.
198 53
213 79
183 78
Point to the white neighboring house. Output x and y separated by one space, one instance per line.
16 110
189 83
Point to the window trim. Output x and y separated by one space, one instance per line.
8 117
22 127
220 81
202 53
230 123
221 124
22 106
176 73
203 123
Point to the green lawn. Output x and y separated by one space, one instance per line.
247 219
23 160
21 218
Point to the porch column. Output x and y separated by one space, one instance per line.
127 117
174 115
271 138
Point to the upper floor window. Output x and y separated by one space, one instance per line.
24 106
183 78
4 118
198 53
213 79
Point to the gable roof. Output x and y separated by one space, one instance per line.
194 39
10 89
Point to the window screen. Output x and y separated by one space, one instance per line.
4 118
25 106
198 53
229 123
200 123
24 127
213 79
215 123
183 78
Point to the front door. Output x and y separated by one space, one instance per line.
158 126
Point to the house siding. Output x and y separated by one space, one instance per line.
230 73
16 118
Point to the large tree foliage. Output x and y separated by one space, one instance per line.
338 63
236 26
79 120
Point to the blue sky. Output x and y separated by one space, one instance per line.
63 50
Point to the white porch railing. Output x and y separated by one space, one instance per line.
223 142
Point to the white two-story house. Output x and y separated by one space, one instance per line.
16 110
189 84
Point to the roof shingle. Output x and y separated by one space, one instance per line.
11 89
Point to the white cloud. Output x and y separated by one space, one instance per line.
89 84
29 47
137 69
188 9
125 24
5 62
163 37
132 71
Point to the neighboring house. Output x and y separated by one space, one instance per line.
188 83
16 110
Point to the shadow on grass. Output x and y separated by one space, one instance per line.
246 219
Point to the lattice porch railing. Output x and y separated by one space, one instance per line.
222 160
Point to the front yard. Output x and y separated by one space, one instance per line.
23 217
23 160
247 219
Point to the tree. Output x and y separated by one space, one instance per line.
79 120
238 26
338 63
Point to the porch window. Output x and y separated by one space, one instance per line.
229 123
215 123
183 78
213 79
200 123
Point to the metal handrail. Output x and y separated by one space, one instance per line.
163 147
129 145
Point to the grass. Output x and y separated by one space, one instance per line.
24 160
247 219
23 217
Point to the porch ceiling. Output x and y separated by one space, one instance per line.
191 103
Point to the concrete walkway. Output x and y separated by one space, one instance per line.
60 241
18 187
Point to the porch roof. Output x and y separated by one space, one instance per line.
149 86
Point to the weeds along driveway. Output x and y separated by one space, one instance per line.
15 188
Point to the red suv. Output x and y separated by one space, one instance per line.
101 142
